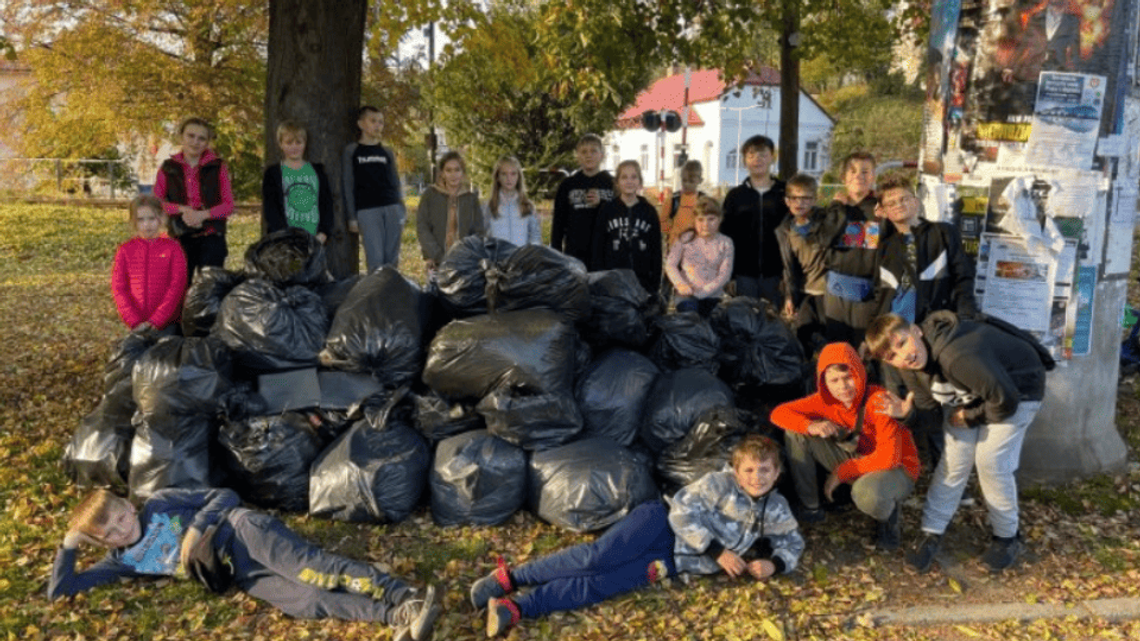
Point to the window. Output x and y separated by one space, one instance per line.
811 156
731 161
645 158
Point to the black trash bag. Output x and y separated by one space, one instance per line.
438 418
537 276
675 403
287 257
178 387
684 340
99 452
706 448
618 306
532 349
333 294
376 471
477 479
268 457
378 330
611 394
589 484
271 329
756 347
461 277
531 421
204 298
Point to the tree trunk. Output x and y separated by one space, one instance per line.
315 61
790 91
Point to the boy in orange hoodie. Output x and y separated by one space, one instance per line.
842 427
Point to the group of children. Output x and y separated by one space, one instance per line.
866 272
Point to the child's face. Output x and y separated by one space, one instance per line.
756 477
906 349
292 147
759 162
371 124
841 384
508 177
799 201
589 157
123 527
706 225
452 174
900 206
195 139
859 177
148 222
629 181
690 181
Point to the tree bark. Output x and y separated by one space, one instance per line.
789 91
314 70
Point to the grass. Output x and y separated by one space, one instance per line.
59 326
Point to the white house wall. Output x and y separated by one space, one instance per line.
726 124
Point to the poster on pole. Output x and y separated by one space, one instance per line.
1118 238
1080 343
1066 120
1018 284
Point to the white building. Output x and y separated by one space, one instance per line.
720 118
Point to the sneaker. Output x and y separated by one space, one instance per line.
810 515
501 615
497 584
923 556
1003 552
415 617
889 534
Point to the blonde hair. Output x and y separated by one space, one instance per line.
706 206
93 513
292 128
443 160
630 163
526 208
880 331
692 168
756 446
149 201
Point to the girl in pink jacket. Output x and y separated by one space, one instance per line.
149 274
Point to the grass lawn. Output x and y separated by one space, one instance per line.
59 325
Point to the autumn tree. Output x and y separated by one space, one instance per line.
496 95
584 38
109 75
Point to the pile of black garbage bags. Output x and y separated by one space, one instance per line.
516 381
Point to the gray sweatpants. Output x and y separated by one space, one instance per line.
875 494
381 230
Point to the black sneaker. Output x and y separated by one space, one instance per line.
415 617
889 534
1003 552
808 515
923 556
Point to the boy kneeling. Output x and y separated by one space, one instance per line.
989 384
206 534
843 427
713 524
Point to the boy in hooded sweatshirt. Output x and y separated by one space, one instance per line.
843 427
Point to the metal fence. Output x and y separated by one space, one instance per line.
71 177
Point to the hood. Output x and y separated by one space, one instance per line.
443 192
939 329
840 354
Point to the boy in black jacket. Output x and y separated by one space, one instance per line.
752 211
577 201
988 385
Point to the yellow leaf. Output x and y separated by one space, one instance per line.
955 585
970 632
774 631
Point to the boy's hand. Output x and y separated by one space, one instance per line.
829 486
353 227
789 308
823 429
684 289
957 417
430 264
894 407
188 542
733 565
761 569
321 237
74 538
592 198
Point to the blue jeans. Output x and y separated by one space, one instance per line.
702 306
616 562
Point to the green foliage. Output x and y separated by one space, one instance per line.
890 127
496 95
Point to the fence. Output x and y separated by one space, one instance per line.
73 177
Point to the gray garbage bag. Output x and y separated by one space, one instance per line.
477 479
611 395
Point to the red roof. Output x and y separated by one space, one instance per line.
705 85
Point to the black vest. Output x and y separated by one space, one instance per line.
209 188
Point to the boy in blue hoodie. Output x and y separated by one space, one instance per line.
205 533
